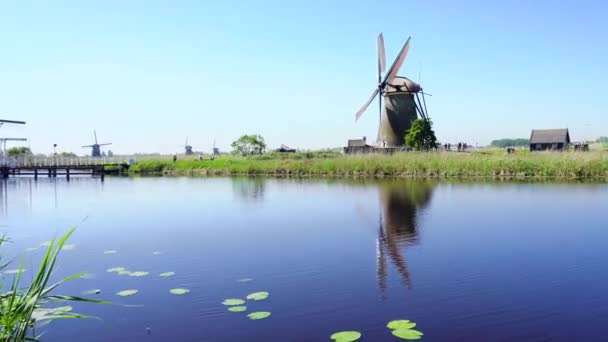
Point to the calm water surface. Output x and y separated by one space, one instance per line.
467 262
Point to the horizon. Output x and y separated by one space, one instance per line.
146 76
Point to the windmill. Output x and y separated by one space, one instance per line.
95 148
402 102
215 151
188 148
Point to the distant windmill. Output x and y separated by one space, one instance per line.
402 103
215 151
188 148
95 148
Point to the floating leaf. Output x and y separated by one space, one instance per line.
167 274
258 315
68 247
400 324
110 251
92 292
15 271
115 269
346 336
233 301
258 296
245 280
138 274
126 293
124 272
408 334
179 291
237 308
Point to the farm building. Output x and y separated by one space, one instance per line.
549 139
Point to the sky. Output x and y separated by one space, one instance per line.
147 74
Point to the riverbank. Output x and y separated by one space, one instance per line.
496 164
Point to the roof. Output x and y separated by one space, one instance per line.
357 142
549 136
402 84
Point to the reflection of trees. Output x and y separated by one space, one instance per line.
397 226
250 188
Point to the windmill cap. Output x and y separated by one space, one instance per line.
402 85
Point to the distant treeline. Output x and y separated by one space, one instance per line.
602 140
510 142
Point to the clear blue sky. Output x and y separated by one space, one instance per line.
146 74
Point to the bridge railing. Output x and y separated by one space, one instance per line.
63 161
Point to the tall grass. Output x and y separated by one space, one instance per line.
22 308
490 163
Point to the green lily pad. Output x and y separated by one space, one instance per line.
245 280
68 247
115 269
15 271
124 272
233 301
167 274
237 308
138 274
179 291
258 296
92 292
258 315
400 324
346 336
408 334
110 251
126 293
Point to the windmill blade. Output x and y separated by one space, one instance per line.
105 144
87 146
392 72
362 110
381 57
95 133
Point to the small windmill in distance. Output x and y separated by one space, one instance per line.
95 148
215 151
188 148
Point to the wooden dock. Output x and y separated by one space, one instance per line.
62 167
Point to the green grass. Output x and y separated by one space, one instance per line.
484 163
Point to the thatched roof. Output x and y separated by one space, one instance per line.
550 136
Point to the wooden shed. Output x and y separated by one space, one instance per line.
549 139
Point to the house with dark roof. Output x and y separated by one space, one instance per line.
549 139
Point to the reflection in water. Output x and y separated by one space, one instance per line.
249 189
397 226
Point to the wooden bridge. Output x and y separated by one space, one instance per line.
57 166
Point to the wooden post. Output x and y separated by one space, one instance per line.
49 172
67 174
35 174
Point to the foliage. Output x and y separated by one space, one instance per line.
249 144
518 142
421 136
602 140
19 151
346 336
110 153
21 308
67 155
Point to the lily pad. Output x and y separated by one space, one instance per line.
68 247
179 291
124 272
400 324
408 334
167 274
346 336
245 280
15 271
126 293
110 251
116 269
92 292
258 315
237 308
258 296
233 301
138 274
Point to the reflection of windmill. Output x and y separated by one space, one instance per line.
188 148
95 148
402 103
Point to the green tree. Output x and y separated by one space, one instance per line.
421 135
19 151
248 145
110 153
603 140
510 142
67 155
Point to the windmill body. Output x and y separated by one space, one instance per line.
96 147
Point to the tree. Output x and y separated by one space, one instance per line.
602 140
19 151
110 153
67 155
421 135
249 144
510 142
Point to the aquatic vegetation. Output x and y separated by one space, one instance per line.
179 291
126 293
346 336
124 272
110 251
233 301
15 271
258 315
68 247
403 329
138 274
258 296
167 274
92 292
115 269
245 280
237 308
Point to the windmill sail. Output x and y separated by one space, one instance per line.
381 57
362 110
392 72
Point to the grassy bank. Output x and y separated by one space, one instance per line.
408 164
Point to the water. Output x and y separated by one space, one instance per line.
467 262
